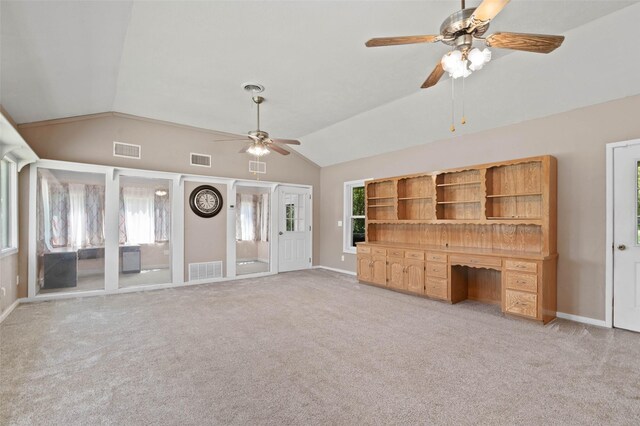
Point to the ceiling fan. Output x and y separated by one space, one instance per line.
460 30
260 142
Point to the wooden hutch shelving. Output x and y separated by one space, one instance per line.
485 232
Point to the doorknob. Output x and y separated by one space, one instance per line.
622 247
280 233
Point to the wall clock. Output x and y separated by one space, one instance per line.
205 201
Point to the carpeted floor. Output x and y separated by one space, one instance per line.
309 347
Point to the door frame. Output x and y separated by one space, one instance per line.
610 147
276 246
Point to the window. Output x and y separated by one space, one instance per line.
353 215
8 206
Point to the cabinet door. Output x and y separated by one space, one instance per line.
364 268
395 273
414 276
379 270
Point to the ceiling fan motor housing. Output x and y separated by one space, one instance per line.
454 29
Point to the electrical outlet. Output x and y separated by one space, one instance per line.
339 223
342 257
17 280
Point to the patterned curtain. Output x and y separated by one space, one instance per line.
163 217
252 217
62 204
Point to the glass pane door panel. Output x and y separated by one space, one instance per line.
144 231
253 227
70 231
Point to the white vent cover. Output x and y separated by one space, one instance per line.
121 149
201 160
205 270
258 167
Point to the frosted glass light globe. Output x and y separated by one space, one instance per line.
478 58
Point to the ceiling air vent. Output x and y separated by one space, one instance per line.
205 270
258 167
127 150
201 160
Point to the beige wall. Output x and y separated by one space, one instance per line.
205 239
577 138
165 147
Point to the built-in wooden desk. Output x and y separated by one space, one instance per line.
485 232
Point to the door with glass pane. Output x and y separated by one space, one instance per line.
626 260
253 229
70 245
144 231
294 235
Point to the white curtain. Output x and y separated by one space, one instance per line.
77 216
246 231
139 204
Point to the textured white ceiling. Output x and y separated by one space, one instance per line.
184 62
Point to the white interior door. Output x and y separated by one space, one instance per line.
626 237
294 228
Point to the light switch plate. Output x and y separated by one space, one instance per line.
339 223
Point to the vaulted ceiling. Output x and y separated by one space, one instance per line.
185 62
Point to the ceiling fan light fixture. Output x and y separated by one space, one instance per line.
478 58
258 149
455 64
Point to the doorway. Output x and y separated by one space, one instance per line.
625 205
253 229
294 228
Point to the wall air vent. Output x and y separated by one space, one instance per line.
200 160
127 150
205 270
257 167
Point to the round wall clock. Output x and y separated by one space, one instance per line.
205 201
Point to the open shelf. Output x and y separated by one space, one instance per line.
381 205
459 202
459 183
414 198
380 198
533 194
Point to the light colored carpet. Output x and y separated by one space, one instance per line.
308 347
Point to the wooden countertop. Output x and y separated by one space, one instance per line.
461 250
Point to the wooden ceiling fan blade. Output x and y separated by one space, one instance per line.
286 141
487 10
276 148
245 149
393 41
434 77
537 43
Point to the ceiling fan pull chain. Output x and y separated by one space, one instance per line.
453 128
464 120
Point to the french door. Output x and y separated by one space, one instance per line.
626 237
294 228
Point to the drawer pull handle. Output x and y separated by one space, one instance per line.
520 282
521 266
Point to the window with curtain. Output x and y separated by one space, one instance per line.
252 218
70 214
145 215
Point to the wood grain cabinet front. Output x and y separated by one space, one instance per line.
436 287
521 303
364 268
395 273
414 275
519 281
435 269
379 270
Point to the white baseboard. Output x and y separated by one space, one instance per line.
342 271
584 320
10 309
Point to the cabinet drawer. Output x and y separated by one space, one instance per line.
437 269
436 257
524 282
479 261
379 251
364 249
395 253
436 287
419 255
521 303
521 265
